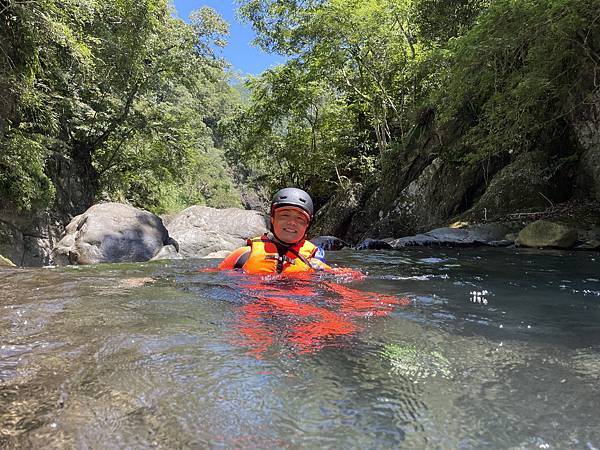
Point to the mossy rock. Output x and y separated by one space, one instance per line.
524 185
543 233
334 218
416 363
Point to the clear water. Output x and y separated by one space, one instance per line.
434 349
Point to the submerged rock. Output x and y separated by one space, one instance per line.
543 233
201 230
112 232
415 363
329 243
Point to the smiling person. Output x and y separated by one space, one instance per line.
285 249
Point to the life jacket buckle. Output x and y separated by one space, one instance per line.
281 258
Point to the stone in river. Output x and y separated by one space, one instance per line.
543 233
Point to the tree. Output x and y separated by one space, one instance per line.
297 131
97 84
520 75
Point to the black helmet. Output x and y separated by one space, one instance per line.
293 197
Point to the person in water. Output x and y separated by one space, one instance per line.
285 249
309 325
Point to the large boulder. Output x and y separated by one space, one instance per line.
587 132
441 190
543 233
201 231
11 241
112 232
334 218
526 184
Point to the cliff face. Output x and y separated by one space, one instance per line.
586 128
27 237
425 189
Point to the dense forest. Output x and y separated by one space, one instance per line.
121 100
367 80
111 99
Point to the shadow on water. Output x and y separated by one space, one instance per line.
492 348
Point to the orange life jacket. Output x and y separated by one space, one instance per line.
264 257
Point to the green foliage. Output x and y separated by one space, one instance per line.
22 175
296 132
441 20
522 72
130 95
482 78
322 119
139 104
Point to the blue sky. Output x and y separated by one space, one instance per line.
240 53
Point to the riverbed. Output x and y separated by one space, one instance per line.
432 348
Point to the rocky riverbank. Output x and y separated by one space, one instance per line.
114 232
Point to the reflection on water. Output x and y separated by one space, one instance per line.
307 312
433 349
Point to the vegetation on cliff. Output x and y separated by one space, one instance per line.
368 79
119 96
125 99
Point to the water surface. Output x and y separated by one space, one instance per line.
435 348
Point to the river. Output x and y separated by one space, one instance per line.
434 348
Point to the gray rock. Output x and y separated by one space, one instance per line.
11 241
201 230
168 252
27 237
592 234
417 240
217 255
439 192
589 245
586 125
334 218
484 234
373 244
543 233
5 262
500 243
329 243
523 185
112 232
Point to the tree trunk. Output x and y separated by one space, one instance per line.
76 181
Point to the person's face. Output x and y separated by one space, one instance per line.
289 224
